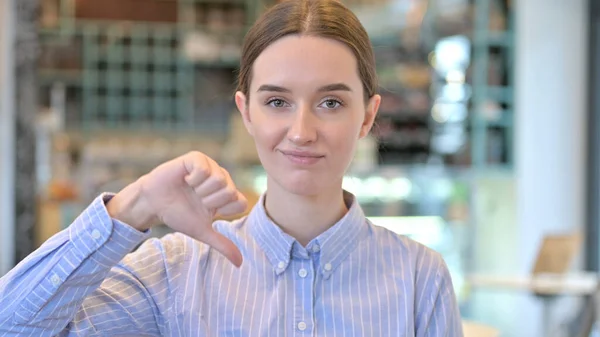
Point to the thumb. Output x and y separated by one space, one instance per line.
224 246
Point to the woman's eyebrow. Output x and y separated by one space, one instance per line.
325 88
334 87
271 87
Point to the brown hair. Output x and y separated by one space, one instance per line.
323 18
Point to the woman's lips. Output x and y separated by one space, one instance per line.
302 157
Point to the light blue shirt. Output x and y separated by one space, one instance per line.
355 279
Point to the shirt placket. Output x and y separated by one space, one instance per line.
304 280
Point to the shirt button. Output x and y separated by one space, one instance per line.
316 248
281 265
301 326
327 267
96 234
55 279
302 273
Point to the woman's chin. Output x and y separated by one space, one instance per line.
303 183
303 189
310 187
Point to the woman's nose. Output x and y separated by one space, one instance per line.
303 128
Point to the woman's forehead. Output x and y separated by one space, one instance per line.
304 60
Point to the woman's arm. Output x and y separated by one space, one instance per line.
55 289
75 285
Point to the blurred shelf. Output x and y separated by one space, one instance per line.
506 121
389 40
79 26
495 39
500 94
70 77
406 115
397 145
214 2
125 64
225 64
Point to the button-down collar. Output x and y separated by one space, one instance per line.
334 245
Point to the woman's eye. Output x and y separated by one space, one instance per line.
332 104
277 103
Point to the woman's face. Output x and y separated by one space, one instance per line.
306 112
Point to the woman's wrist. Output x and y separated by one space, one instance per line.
129 206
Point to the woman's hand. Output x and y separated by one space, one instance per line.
185 194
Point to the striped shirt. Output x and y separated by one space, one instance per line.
355 279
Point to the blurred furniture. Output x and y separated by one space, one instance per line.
473 329
544 284
547 287
550 279
491 114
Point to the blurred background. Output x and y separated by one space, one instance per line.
487 145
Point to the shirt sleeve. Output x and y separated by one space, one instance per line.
81 282
437 307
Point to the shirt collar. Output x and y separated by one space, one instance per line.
334 245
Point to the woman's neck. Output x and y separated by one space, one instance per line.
304 217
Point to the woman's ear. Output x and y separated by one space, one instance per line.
370 114
242 104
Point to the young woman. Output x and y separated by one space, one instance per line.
305 261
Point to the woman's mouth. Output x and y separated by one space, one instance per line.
302 157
